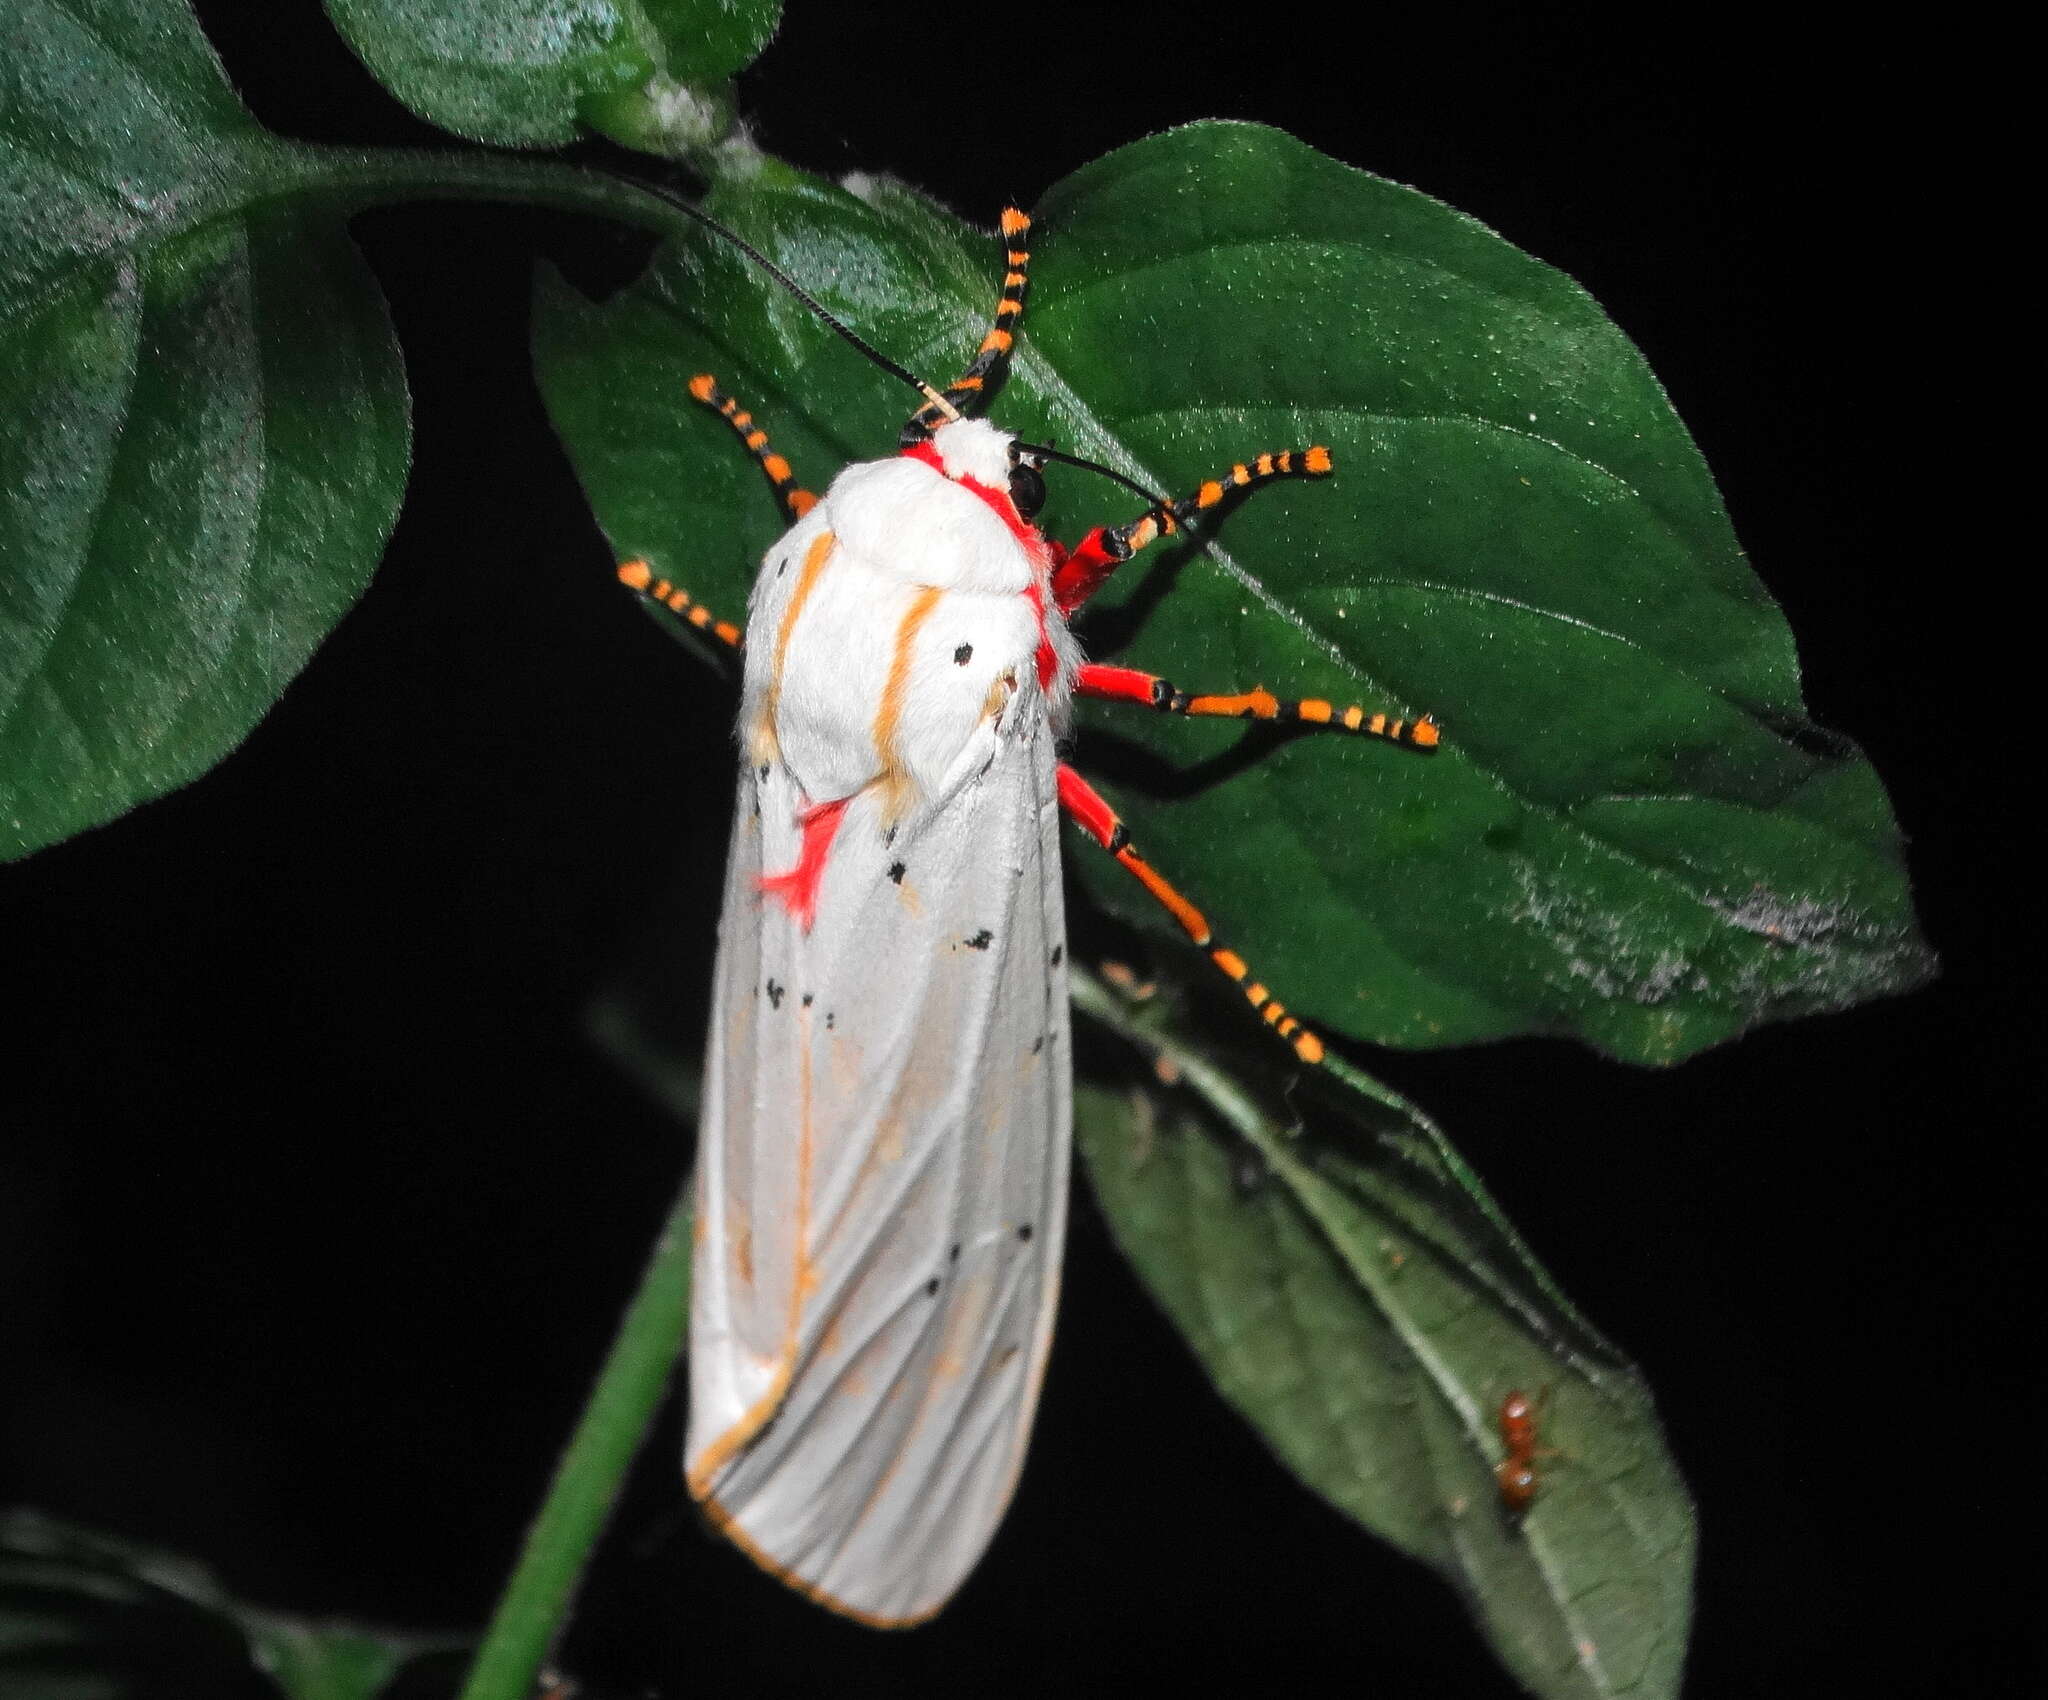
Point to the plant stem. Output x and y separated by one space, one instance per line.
370 177
536 1600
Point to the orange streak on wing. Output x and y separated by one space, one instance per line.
889 715
814 564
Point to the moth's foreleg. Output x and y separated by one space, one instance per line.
985 370
1106 548
1127 684
638 576
1086 807
796 501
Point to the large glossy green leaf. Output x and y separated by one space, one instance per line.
1631 831
203 432
1360 1300
530 72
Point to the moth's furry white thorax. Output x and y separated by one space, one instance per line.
904 518
973 448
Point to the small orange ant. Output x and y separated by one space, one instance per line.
1516 1473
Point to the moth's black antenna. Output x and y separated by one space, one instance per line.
931 395
789 283
1051 453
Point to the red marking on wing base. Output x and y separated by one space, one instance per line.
797 890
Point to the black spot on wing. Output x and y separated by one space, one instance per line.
963 655
775 994
807 1000
1059 954
931 1287
896 872
1024 1233
981 940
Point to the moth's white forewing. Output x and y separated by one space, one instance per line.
883 1154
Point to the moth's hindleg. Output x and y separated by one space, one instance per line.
796 501
638 576
1127 684
1107 547
1085 805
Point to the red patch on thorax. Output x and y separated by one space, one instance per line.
998 500
797 890
1048 661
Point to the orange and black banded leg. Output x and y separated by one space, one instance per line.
1081 573
1127 684
994 354
638 576
1095 817
796 501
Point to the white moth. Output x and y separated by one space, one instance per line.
883 1147
882 1166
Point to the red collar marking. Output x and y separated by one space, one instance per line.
998 500
1026 533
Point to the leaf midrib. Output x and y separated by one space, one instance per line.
1050 386
947 262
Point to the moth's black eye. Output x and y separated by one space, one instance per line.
1027 488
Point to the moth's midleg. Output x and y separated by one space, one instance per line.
986 368
1128 684
1107 547
637 575
1086 807
795 499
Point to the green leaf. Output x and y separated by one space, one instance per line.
205 431
326 1662
86 1616
529 73
1631 832
1360 1300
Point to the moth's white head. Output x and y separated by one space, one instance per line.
974 448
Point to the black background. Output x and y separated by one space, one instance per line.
317 1205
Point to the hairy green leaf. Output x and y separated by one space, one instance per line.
205 431
1352 1290
527 73
1630 833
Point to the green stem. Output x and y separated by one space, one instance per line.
629 1388
535 1603
380 176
